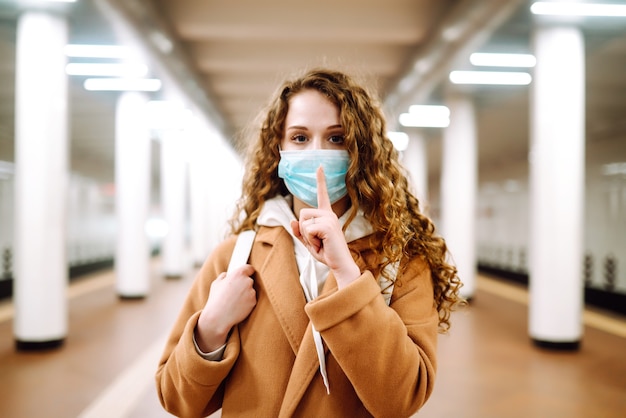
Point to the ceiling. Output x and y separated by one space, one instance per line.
229 57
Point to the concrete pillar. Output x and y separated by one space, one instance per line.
557 187
224 181
199 195
415 159
458 189
173 201
41 182
7 222
132 196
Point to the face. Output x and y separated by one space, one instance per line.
312 122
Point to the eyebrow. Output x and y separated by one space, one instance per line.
304 128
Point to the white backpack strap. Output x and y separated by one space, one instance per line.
243 246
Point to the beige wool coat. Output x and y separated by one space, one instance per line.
380 359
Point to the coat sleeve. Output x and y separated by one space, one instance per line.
187 384
387 352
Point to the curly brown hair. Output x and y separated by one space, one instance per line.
376 181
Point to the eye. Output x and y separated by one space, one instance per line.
336 139
299 138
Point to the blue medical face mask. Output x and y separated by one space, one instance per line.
298 167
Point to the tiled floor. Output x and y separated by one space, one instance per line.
487 365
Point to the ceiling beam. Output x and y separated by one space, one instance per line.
138 19
467 27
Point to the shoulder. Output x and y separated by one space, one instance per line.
415 266
414 275
270 236
225 248
265 239
219 257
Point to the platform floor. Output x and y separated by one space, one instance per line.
488 368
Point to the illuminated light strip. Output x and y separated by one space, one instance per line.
418 121
430 111
400 140
106 69
503 60
578 9
122 84
490 77
426 116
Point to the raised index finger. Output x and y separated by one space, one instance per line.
323 201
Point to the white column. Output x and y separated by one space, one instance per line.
458 189
74 224
132 196
224 180
173 201
92 219
6 221
415 159
557 187
41 181
199 195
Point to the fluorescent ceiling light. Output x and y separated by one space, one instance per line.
411 120
490 77
430 111
122 84
96 51
578 9
426 116
400 140
502 60
106 69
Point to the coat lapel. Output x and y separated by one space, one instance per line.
280 278
306 365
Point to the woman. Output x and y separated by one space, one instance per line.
347 286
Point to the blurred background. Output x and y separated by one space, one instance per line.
124 124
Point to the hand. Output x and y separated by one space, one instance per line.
231 299
320 232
